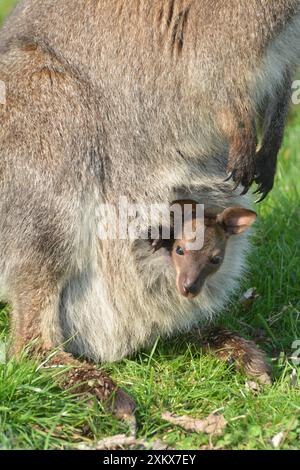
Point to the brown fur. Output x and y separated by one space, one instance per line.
231 347
192 264
98 92
195 264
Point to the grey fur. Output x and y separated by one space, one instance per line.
109 98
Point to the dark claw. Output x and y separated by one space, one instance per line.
236 185
241 177
264 195
264 184
263 191
229 177
246 189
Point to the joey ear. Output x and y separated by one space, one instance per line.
236 220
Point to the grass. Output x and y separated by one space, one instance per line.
174 376
5 7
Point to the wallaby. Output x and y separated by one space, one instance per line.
152 100
192 264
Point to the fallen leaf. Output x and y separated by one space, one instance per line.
121 441
253 386
277 440
211 447
213 424
249 297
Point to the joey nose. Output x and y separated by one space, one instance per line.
191 289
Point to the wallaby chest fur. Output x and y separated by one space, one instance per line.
118 98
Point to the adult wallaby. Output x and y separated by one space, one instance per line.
152 100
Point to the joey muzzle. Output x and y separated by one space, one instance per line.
190 286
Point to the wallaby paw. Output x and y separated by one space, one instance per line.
265 174
94 382
242 172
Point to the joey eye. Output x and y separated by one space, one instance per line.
179 251
216 260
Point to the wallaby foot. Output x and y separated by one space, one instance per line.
84 378
229 346
92 381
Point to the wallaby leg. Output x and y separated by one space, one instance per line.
35 319
273 131
230 346
35 313
85 378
